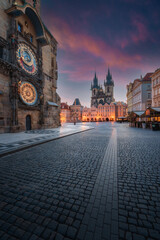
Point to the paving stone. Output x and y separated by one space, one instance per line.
71 232
62 229
139 237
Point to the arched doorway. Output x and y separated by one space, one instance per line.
107 119
28 123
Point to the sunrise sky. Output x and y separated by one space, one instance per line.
95 34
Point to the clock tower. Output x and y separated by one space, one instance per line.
28 69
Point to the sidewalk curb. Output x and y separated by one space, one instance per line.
18 149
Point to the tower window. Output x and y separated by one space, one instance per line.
108 89
31 38
20 27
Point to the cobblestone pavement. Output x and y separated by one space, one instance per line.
11 142
139 184
102 184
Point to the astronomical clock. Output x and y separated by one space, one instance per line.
28 93
28 62
27 59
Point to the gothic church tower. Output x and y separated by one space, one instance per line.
109 88
94 88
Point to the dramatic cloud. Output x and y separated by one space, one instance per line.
93 35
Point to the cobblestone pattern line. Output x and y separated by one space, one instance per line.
45 190
100 221
139 184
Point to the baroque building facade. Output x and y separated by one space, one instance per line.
156 88
72 113
65 115
104 113
139 94
28 69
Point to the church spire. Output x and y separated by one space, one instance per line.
95 81
109 80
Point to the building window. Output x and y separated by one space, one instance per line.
1 52
52 62
149 96
31 38
20 28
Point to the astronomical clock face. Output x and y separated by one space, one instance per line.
27 59
28 93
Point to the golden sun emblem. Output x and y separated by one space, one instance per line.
28 93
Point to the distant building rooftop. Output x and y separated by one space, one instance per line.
147 77
76 102
64 106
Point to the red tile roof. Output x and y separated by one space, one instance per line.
65 106
147 77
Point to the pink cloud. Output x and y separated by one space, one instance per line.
141 34
69 40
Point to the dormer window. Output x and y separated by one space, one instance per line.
20 28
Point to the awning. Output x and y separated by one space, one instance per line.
139 113
52 104
155 109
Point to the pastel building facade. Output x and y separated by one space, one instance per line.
71 113
65 115
139 94
156 88
106 112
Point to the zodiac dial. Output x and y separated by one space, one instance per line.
27 59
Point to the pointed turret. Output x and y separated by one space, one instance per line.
95 82
109 88
109 80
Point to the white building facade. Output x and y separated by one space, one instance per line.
139 94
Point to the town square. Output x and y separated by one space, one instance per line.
79 120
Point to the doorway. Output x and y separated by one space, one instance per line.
28 122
